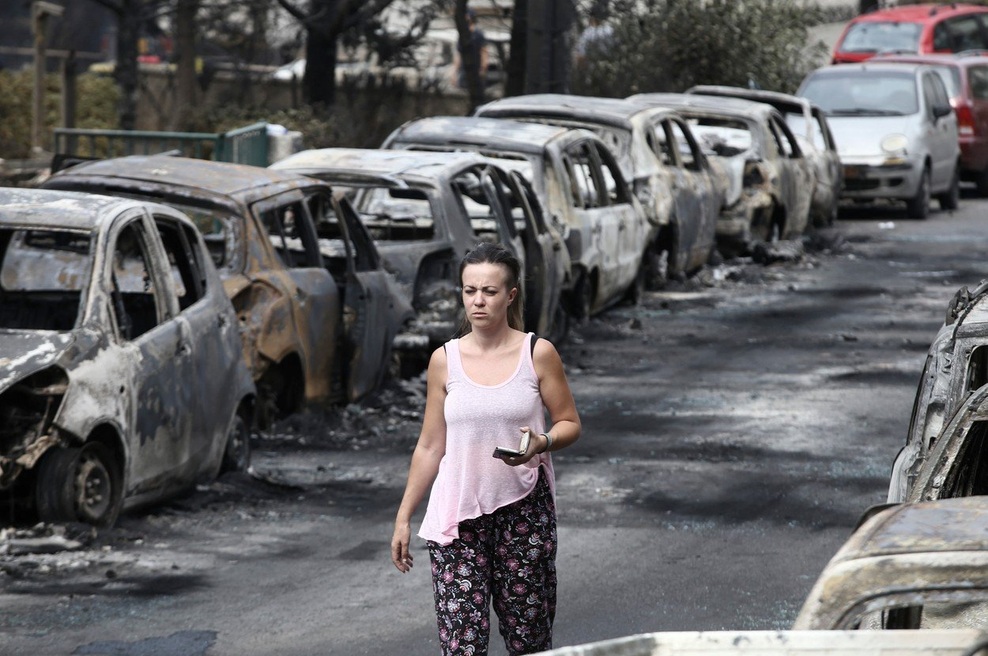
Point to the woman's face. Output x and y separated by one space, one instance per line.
486 295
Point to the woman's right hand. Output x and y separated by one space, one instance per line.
400 556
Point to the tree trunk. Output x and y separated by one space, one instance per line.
185 45
515 69
125 72
468 58
319 81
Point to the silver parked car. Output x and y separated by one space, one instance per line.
580 183
770 180
658 155
896 132
122 380
426 210
809 125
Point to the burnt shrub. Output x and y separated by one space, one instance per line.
670 45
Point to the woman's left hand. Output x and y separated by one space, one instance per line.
536 445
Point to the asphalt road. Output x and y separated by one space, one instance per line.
735 427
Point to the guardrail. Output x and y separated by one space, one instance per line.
246 145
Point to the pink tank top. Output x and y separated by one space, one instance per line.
470 481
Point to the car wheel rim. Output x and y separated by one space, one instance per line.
93 487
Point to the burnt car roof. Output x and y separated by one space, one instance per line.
613 111
784 102
489 133
194 177
945 525
710 104
382 166
64 209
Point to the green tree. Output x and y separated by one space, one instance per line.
670 45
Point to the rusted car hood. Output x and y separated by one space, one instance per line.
27 352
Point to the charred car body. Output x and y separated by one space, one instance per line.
809 125
260 228
911 566
954 464
956 365
668 172
121 379
579 183
771 182
426 210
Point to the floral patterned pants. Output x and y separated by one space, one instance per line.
508 556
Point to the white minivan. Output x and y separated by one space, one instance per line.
895 129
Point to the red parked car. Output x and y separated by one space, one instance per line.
921 29
966 77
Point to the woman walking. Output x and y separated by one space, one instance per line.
490 523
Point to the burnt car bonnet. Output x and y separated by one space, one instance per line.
24 353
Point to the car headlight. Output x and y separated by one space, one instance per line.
895 145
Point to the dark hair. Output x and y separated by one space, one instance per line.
488 253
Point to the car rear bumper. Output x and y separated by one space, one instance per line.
974 154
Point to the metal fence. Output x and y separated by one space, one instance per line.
246 145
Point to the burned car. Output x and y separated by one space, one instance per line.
426 210
121 379
668 172
306 336
954 463
771 182
809 125
909 566
956 365
579 182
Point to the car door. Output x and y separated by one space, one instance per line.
942 132
798 186
369 312
691 195
543 258
304 321
619 207
162 397
214 341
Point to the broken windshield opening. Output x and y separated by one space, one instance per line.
396 214
42 276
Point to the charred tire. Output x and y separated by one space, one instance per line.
919 205
636 291
951 199
236 452
560 325
656 262
79 485
583 298
281 392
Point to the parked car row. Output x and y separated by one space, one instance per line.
329 266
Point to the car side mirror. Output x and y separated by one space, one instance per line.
939 111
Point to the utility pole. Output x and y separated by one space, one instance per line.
40 11
548 53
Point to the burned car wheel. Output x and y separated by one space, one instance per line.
583 298
236 456
79 485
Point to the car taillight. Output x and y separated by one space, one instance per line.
965 120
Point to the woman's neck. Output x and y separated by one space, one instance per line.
492 339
